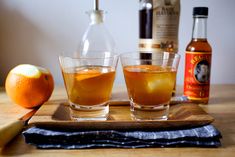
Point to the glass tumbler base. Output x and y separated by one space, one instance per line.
140 112
85 113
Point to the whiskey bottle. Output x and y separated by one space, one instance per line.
198 60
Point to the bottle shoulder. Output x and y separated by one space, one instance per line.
199 45
97 39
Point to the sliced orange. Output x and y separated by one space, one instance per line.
88 73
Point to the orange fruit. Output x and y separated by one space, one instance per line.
29 86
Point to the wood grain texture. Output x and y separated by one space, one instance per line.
56 114
8 110
221 106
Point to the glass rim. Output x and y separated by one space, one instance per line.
127 55
112 56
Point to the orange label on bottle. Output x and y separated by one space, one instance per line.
197 75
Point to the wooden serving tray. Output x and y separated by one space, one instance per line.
56 114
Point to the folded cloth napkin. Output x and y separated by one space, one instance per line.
204 136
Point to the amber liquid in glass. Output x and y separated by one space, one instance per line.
89 85
149 85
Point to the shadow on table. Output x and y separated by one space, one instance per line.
16 147
222 122
221 100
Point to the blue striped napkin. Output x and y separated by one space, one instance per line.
205 136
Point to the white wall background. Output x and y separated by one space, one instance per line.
37 31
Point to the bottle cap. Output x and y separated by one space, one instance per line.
203 11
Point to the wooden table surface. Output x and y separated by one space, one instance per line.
221 107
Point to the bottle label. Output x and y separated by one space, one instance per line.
165 24
197 75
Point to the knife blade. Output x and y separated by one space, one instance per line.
10 130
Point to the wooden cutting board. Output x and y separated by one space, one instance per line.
56 114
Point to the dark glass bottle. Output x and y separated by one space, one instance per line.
145 24
145 19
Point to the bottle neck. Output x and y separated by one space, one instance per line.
199 28
146 4
96 16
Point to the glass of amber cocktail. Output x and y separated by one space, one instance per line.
150 79
89 81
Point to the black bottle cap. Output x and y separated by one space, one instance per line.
200 11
